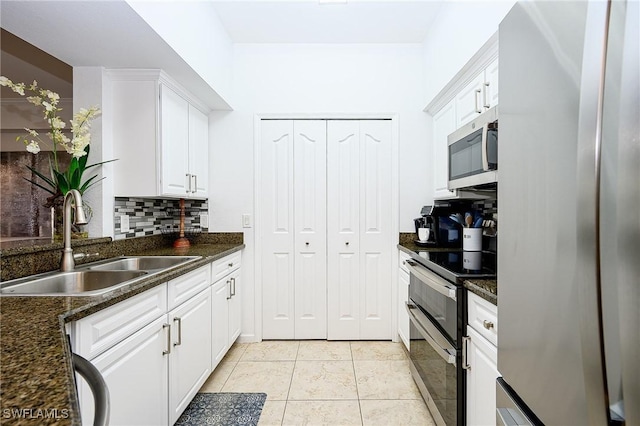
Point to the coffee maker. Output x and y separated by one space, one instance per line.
426 221
443 232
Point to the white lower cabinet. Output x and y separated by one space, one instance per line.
154 369
481 367
136 372
190 357
226 314
403 298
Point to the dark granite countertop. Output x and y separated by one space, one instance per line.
487 289
35 366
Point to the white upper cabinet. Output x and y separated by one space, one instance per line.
444 123
491 85
478 96
160 137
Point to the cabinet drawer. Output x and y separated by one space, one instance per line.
483 317
102 330
188 285
222 267
401 261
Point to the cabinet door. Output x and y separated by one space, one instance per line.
277 216
199 152
469 101
444 123
220 294
136 372
403 316
235 306
375 229
174 125
481 380
310 153
343 230
190 358
490 95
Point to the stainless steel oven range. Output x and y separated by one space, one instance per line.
438 316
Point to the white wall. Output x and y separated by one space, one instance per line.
196 34
90 88
315 79
462 27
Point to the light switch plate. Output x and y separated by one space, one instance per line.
124 223
246 221
204 220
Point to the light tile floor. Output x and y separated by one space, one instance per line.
324 383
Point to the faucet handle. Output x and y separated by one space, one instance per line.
82 256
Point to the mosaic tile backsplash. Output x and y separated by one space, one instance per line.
157 216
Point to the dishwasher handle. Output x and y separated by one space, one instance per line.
98 388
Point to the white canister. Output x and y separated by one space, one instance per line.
472 260
472 239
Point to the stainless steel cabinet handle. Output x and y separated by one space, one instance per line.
195 184
477 100
465 348
228 290
485 89
487 324
188 182
168 350
233 284
179 320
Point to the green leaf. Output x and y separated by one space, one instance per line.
74 180
63 184
83 160
101 163
73 166
41 176
88 183
40 186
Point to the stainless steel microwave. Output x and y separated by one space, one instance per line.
473 153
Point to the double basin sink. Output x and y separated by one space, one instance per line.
94 278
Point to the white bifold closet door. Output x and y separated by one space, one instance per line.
294 229
359 229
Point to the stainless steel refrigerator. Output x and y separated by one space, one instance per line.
569 199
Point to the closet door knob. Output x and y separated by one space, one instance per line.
306 244
347 243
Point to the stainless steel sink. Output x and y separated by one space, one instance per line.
73 283
143 263
94 278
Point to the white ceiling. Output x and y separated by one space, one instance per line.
307 21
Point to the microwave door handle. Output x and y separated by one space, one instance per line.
447 354
485 145
444 289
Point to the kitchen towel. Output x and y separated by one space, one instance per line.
224 409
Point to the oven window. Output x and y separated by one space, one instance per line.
442 310
438 376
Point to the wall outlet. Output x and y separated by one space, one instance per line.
204 220
246 221
124 223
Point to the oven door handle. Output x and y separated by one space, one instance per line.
431 279
447 353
